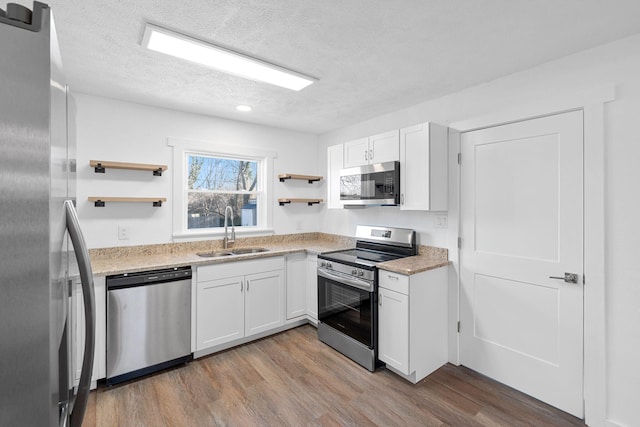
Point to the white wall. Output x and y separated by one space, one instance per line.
108 129
617 63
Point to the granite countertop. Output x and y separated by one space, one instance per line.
129 259
413 264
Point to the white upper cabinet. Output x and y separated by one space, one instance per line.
335 155
374 149
384 147
356 152
423 167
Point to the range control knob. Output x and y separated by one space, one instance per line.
323 264
329 265
360 273
354 271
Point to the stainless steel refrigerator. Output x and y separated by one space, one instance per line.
37 220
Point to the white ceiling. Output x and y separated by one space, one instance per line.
371 56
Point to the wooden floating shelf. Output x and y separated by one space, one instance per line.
99 202
309 202
310 178
101 165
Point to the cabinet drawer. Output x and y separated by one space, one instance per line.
394 281
239 268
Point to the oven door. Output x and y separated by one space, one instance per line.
347 309
377 184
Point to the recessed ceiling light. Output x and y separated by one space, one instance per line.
162 40
243 108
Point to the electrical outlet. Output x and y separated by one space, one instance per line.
123 232
442 221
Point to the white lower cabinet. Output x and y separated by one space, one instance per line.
263 302
412 322
393 337
312 288
78 330
296 285
219 311
238 299
302 286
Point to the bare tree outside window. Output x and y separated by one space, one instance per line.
214 183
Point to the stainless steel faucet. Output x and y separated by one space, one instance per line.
226 239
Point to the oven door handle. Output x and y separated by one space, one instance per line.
365 286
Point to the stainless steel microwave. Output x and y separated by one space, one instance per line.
377 184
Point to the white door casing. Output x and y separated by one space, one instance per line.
521 222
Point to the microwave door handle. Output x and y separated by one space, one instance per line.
86 278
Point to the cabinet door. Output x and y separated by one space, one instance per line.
356 152
414 172
264 301
423 171
335 156
296 286
393 329
384 147
312 287
219 311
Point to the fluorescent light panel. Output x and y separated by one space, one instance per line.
161 40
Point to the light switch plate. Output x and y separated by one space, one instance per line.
441 221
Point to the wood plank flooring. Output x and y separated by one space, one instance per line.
292 379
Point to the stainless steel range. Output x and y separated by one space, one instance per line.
348 289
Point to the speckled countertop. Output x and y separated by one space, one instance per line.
413 264
128 259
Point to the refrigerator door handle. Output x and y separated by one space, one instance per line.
86 277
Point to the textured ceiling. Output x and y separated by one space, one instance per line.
371 56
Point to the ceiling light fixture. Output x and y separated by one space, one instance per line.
162 40
243 108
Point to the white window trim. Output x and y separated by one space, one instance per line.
181 148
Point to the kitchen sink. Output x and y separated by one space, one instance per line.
242 251
239 251
214 254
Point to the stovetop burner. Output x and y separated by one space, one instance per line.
374 245
358 257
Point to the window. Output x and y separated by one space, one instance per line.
213 183
209 177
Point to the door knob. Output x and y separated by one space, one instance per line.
568 277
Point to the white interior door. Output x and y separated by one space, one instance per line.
522 222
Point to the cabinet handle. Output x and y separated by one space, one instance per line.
371 154
402 198
247 286
366 154
392 277
241 285
380 299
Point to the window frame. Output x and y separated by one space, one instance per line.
184 148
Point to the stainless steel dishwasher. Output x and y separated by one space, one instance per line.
148 322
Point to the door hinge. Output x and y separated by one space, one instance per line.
458 326
459 242
459 158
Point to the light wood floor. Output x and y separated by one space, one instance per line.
292 379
